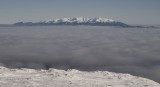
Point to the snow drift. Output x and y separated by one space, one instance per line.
70 78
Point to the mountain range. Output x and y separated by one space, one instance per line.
77 21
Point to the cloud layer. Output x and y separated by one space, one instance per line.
135 51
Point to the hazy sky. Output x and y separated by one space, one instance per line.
128 11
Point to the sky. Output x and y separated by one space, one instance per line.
128 11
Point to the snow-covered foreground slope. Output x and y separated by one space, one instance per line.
70 78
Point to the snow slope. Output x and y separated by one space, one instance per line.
71 78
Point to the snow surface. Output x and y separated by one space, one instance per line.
70 78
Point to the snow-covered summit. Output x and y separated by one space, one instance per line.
82 20
102 20
99 21
71 78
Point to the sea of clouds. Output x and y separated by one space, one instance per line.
90 48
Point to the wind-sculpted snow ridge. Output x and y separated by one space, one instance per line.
77 21
71 78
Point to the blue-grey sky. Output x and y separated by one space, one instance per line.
128 11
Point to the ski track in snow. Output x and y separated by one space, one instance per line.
71 78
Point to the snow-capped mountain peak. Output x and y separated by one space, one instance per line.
99 21
103 20
82 20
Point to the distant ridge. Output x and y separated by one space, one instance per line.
81 21
77 21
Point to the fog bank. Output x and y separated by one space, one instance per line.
134 51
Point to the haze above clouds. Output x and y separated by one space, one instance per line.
127 11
